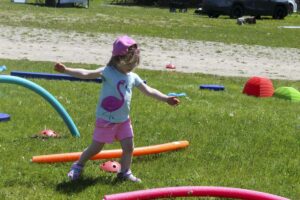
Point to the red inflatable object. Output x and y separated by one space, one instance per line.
170 66
111 166
194 191
259 87
48 133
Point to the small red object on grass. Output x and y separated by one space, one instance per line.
48 133
259 87
170 66
111 166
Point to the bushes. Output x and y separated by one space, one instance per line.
51 3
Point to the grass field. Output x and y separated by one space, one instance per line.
235 140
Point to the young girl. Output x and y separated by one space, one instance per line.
112 115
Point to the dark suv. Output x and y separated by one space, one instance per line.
278 9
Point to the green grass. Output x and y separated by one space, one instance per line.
151 21
235 140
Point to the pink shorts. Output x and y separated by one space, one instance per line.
108 132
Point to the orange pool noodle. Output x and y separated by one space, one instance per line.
108 154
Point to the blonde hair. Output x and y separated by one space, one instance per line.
130 59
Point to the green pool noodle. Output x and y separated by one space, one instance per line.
46 95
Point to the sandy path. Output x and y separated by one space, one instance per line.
187 56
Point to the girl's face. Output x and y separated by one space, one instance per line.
134 56
133 48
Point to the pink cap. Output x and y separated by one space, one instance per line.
120 46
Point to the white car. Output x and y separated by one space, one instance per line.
292 6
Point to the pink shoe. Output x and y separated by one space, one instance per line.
75 172
128 176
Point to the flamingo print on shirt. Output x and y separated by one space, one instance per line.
112 103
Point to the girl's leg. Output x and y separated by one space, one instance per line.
126 174
93 149
77 167
127 148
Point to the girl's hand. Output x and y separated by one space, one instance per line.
60 67
173 101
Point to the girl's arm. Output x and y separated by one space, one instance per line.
78 73
154 93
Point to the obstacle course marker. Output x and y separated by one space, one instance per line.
110 166
288 93
173 94
47 96
259 87
212 87
51 76
4 117
194 191
108 154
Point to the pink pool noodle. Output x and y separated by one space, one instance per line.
194 191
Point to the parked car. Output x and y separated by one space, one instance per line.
292 6
55 3
278 9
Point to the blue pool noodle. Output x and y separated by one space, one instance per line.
212 87
183 94
4 117
46 95
51 76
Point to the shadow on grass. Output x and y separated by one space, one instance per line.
71 187
159 156
67 5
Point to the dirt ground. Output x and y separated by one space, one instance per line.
187 56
